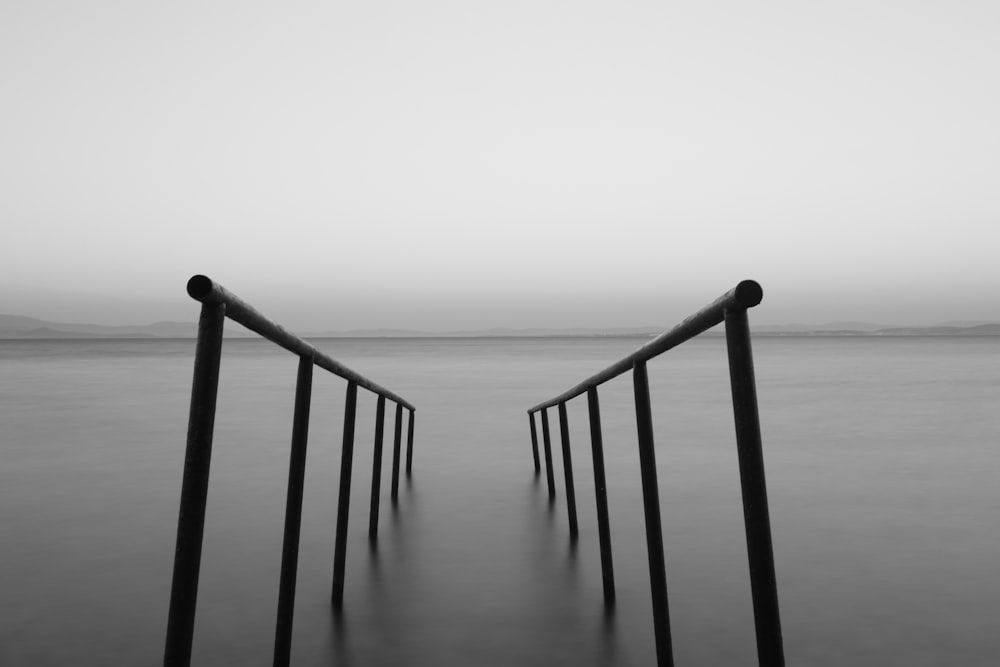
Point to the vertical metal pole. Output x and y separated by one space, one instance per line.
194 487
600 486
376 468
548 455
534 443
651 507
293 513
763 584
409 445
568 469
344 501
397 440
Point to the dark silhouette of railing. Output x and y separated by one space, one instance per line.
217 305
732 309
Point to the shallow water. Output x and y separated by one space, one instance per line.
880 453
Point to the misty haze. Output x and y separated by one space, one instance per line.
508 308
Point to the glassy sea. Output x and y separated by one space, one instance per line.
881 457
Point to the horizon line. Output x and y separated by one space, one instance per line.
36 328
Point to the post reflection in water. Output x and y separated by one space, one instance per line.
876 566
435 591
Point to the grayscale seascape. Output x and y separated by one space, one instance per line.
476 206
881 457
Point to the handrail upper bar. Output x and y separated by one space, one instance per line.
747 294
204 289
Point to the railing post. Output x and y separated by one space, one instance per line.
601 492
763 584
549 476
730 307
534 443
344 501
376 469
293 513
396 442
568 469
194 487
218 304
651 507
409 445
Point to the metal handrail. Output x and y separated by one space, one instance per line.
218 304
730 308
745 295
204 289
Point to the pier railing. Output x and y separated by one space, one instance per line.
217 305
730 308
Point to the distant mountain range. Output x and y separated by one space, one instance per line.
17 326
863 329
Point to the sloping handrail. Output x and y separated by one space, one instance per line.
204 289
218 304
745 295
730 308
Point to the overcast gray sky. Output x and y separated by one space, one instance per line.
434 164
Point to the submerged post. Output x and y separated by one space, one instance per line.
396 442
601 492
409 445
218 304
534 443
344 501
293 513
549 476
731 308
651 507
376 469
763 584
568 469
194 487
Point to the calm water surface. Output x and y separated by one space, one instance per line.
881 458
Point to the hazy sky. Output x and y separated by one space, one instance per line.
433 164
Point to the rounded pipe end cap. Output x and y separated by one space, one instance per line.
199 287
749 293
